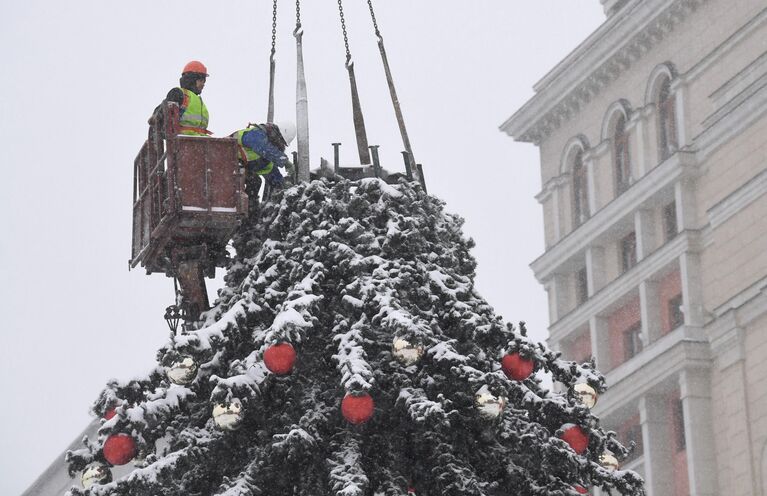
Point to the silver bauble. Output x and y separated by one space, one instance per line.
489 405
586 394
182 371
96 473
229 416
405 352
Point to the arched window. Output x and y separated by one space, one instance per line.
621 157
666 120
581 210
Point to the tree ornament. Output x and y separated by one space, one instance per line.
581 490
609 461
96 473
229 416
489 405
279 358
577 438
411 490
111 412
357 409
182 371
517 368
586 394
119 449
406 352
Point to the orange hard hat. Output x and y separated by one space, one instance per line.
196 67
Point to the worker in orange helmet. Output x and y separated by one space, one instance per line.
194 114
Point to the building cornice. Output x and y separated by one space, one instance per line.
604 300
658 363
678 166
594 64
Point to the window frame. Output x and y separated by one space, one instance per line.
628 252
675 313
632 341
670 224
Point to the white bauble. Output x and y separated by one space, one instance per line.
489 405
96 473
182 371
406 352
229 416
586 394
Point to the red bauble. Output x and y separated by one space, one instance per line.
517 368
279 358
357 409
577 438
110 413
119 449
581 490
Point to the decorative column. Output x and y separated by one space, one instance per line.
654 416
589 162
556 214
644 228
650 311
600 342
684 196
557 288
695 392
595 268
638 155
679 90
692 293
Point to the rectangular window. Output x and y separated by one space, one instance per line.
669 221
632 341
678 414
675 313
581 286
628 251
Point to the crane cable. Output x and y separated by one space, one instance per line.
359 121
417 172
270 111
302 103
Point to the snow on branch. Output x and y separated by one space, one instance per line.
347 476
357 375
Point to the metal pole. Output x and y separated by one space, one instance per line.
359 120
394 98
336 157
376 161
408 168
302 103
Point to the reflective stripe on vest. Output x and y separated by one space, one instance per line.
250 155
194 115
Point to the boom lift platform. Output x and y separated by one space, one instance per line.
188 199
189 194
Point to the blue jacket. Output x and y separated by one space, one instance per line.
258 141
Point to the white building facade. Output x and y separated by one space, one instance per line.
653 144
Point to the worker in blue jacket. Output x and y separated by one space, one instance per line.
262 152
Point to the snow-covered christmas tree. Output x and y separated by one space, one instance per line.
350 354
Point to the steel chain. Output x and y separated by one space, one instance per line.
343 28
373 15
298 12
274 27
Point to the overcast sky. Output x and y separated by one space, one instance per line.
80 79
